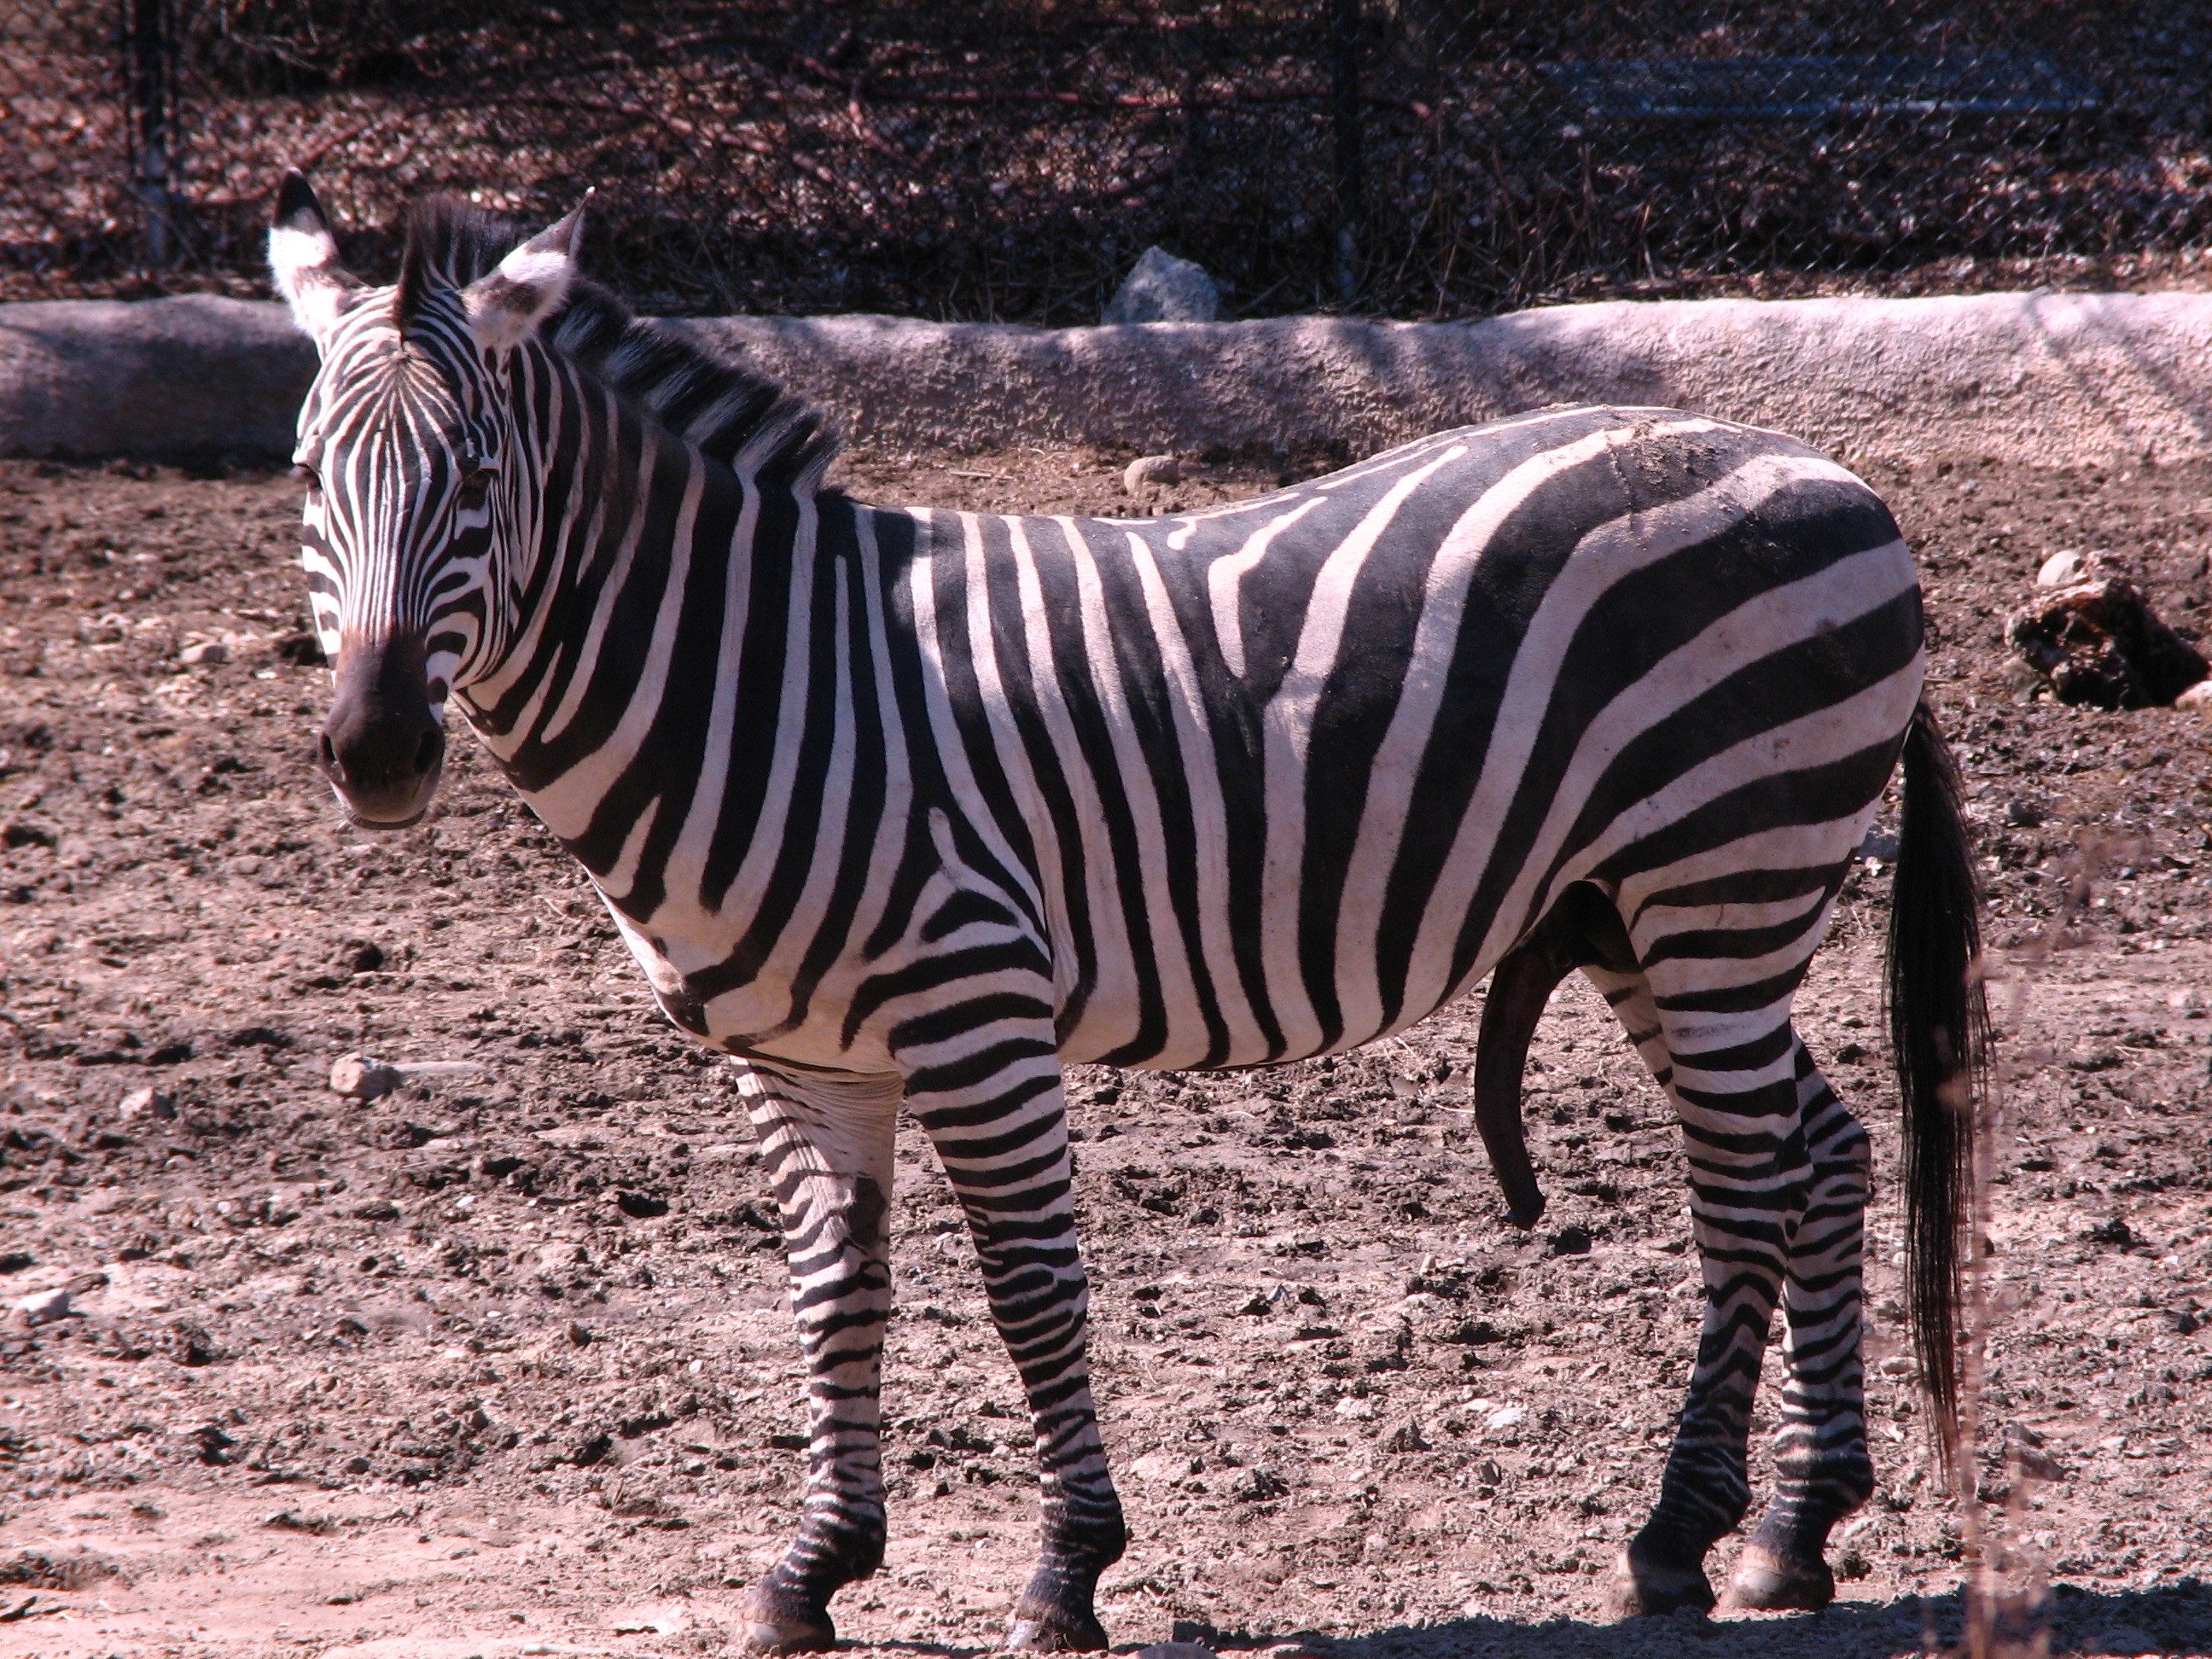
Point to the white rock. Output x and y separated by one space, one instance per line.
1147 472
2196 696
1508 1417
149 1102
205 654
44 1308
359 1078
1161 289
2063 570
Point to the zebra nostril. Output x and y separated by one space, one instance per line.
428 750
331 757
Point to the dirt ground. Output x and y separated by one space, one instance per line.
496 1366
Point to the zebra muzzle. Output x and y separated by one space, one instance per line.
383 744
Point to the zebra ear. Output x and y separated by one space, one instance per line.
505 308
303 255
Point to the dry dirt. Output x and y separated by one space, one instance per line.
496 1366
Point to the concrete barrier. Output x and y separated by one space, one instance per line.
2034 379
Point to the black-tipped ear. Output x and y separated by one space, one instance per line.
297 208
303 257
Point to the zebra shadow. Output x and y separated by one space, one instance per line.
2170 1620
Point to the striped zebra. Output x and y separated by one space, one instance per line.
903 806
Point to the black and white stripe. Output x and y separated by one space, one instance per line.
907 806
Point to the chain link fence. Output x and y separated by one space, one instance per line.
1011 158
65 204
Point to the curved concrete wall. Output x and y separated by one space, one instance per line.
2037 379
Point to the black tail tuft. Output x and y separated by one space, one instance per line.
1939 1039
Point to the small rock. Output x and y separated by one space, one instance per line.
104 630
14 1261
1571 1240
1147 472
1161 289
580 1334
1406 1437
44 1308
149 1102
204 654
2024 814
2063 570
359 1078
2196 696
1507 1417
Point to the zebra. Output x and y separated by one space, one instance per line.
908 808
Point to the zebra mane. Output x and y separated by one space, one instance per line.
727 411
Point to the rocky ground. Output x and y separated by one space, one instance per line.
496 1366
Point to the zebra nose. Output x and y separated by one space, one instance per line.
383 746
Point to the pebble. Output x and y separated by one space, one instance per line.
359 1078
205 654
44 1308
149 1102
2063 570
1508 1417
1147 472
2198 695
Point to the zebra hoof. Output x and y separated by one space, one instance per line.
776 1623
1039 1630
1643 1590
1767 1583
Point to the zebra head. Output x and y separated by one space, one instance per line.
404 443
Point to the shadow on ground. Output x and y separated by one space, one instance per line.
2173 1620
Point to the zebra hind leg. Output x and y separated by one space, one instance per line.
1820 1451
828 1152
1728 1073
993 1106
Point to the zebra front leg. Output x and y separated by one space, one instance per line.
989 1097
1820 1451
828 1145
1732 1082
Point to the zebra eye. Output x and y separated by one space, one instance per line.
476 484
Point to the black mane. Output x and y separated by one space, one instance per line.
725 409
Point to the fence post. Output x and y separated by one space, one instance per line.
149 51
1351 173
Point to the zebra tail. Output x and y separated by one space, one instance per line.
1939 1041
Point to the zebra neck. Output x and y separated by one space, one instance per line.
673 623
